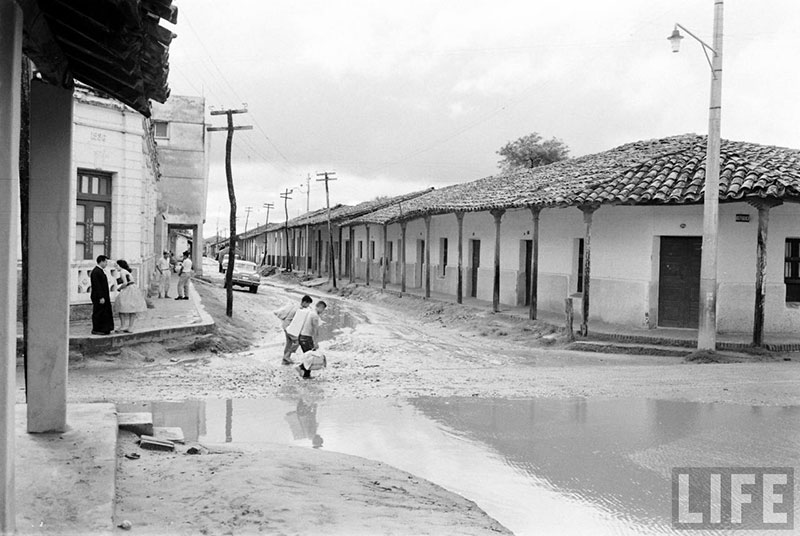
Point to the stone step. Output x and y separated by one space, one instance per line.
140 423
169 433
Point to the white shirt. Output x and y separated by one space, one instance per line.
186 266
163 264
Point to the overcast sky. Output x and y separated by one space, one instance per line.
400 96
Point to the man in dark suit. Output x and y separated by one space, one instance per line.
102 315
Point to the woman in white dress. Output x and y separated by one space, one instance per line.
130 301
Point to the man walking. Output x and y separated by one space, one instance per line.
102 315
164 267
184 274
287 315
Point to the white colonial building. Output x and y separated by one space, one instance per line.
116 175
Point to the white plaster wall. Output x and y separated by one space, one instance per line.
108 137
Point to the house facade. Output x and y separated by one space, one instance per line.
179 128
617 233
116 175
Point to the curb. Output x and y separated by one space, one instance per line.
95 343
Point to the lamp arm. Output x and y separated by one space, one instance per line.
706 46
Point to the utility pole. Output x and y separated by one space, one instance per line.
247 211
328 176
285 196
231 197
266 226
308 209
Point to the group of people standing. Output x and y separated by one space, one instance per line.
130 301
301 327
164 268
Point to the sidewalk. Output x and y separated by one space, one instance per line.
65 483
598 331
170 317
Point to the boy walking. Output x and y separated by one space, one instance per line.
309 334
287 314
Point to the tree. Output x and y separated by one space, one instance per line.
531 151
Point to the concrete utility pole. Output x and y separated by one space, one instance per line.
707 329
286 197
231 197
326 177
308 209
266 226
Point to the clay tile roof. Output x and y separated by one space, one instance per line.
661 171
115 46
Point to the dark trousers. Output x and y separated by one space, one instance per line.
102 317
306 343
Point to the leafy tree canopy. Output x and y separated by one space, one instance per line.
531 151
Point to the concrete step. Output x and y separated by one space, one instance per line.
140 423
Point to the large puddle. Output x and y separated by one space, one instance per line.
540 466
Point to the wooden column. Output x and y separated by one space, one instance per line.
384 259
10 67
498 216
368 254
352 254
534 298
460 284
588 211
763 206
427 256
403 256
340 252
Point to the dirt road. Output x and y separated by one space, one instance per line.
383 346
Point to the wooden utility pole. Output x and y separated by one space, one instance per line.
308 209
326 177
286 197
266 226
231 197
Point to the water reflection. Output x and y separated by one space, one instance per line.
538 466
303 423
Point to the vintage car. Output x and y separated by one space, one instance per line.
245 274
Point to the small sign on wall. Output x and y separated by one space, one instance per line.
744 218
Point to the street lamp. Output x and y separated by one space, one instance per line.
707 329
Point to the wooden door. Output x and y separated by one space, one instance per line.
475 248
348 257
679 282
528 259
419 268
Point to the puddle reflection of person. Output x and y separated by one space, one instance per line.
303 422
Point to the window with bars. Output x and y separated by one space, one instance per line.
791 269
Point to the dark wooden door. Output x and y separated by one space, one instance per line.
528 259
420 268
679 282
348 256
475 246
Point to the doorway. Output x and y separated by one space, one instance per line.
419 267
679 282
475 256
527 258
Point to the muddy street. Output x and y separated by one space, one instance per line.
382 346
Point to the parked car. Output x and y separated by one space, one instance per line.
245 274
223 262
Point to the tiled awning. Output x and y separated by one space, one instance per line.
115 46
